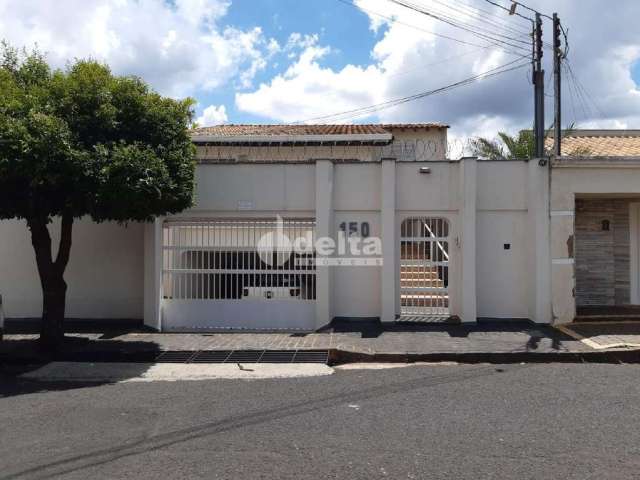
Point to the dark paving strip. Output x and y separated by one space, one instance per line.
178 356
245 356
211 356
184 356
333 357
311 356
277 356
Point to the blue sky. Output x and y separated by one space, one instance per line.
635 72
274 61
342 26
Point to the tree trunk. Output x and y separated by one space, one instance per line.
54 292
54 287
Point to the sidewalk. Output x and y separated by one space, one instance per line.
499 342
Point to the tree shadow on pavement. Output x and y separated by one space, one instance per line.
538 337
22 357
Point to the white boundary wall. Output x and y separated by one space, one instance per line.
498 212
115 271
104 275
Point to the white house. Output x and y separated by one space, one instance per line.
391 228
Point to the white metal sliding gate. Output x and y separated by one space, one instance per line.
424 267
238 274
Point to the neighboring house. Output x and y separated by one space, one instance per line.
595 224
458 237
598 143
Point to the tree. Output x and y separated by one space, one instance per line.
84 142
520 146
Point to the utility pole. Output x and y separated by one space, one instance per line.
538 83
557 79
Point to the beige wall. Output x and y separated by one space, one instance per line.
278 187
502 278
104 275
503 282
489 203
412 145
356 289
357 186
417 145
286 153
435 191
501 202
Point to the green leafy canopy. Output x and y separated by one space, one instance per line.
82 141
521 145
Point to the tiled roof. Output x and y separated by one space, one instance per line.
413 126
293 130
599 143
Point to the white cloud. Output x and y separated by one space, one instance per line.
182 47
298 41
273 46
212 115
179 48
307 90
605 42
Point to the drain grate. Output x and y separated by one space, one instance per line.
244 356
211 356
278 356
175 356
311 356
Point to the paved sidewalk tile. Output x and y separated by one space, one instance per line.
364 337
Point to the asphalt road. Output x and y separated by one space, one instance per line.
475 422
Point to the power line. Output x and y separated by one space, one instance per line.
488 19
368 110
489 13
531 9
444 60
508 10
451 19
572 98
495 4
440 35
456 24
585 93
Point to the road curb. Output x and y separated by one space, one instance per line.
340 357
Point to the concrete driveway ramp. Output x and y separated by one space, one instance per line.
605 335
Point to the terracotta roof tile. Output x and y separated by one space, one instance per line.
346 129
596 144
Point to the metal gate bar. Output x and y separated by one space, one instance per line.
225 259
424 267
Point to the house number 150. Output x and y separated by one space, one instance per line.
353 228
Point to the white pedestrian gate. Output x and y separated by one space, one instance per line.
424 267
238 274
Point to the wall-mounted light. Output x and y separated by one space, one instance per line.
425 170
